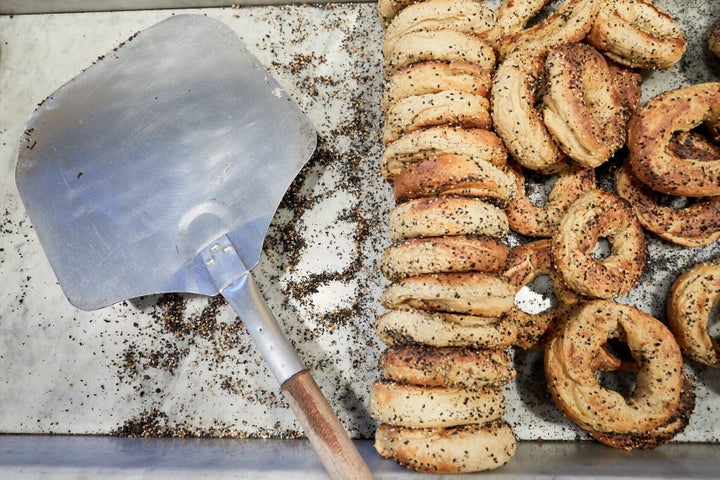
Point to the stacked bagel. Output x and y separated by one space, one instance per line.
439 401
463 128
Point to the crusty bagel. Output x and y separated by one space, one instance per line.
472 369
651 130
446 215
598 214
437 329
473 293
475 144
417 406
574 385
693 295
463 449
456 253
434 77
449 174
637 33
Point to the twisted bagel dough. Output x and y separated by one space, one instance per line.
457 253
511 16
651 130
583 108
466 16
525 263
455 175
638 34
476 144
447 367
446 215
714 38
448 107
387 9
416 406
658 435
471 293
517 86
406 327
438 45
692 226
692 297
543 221
574 385
594 215
569 24
462 449
434 77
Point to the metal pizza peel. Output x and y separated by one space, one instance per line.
158 169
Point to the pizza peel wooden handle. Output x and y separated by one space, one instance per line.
322 427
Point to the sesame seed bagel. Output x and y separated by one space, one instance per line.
695 225
455 175
434 77
526 217
518 84
446 215
511 16
637 33
463 449
569 24
436 329
444 45
447 366
387 9
458 253
598 214
583 108
431 407
692 297
473 293
448 107
651 130
467 16
476 144
574 385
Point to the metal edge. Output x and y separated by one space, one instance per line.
35 7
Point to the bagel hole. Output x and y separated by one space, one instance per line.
537 296
602 249
713 325
676 203
622 380
544 13
538 187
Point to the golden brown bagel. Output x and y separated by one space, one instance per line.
651 130
511 16
467 16
594 215
447 366
455 175
692 226
457 253
463 449
569 24
476 144
525 263
518 85
409 327
637 33
434 77
527 218
416 406
444 45
574 384
387 9
446 215
472 293
448 107
692 296
583 108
